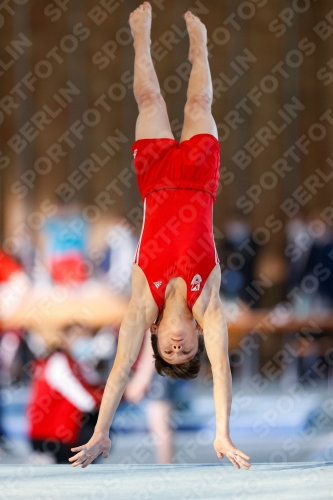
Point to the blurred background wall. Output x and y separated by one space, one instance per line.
68 112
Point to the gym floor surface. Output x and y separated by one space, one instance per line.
285 481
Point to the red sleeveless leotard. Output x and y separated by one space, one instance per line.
178 184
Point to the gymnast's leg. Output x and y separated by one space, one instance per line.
153 121
159 426
198 118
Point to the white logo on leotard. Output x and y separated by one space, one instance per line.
135 152
157 283
196 283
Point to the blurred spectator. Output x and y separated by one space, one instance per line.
8 266
297 249
118 257
14 283
238 254
310 252
270 274
10 340
25 249
64 397
96 353
13 286
310 283
64 245
319 265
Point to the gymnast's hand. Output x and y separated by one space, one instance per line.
99 443
224 446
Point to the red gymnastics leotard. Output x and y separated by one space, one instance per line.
178 184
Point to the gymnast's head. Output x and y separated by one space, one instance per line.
177 348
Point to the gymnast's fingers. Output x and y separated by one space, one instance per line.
86 463
76 457
243 463
242 454
78 462
78 448
232 460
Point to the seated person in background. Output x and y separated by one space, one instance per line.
63 398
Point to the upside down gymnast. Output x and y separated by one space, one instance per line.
176 275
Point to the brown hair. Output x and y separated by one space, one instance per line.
186 371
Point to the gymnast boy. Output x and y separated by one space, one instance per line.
176 275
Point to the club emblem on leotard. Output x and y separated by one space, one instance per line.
157 283
196 283
135 152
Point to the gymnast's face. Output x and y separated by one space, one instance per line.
177 344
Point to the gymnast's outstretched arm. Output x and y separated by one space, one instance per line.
209 313
139 316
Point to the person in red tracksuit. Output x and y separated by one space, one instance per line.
176 275
61 405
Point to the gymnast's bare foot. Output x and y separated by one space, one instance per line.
197 33
140 22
